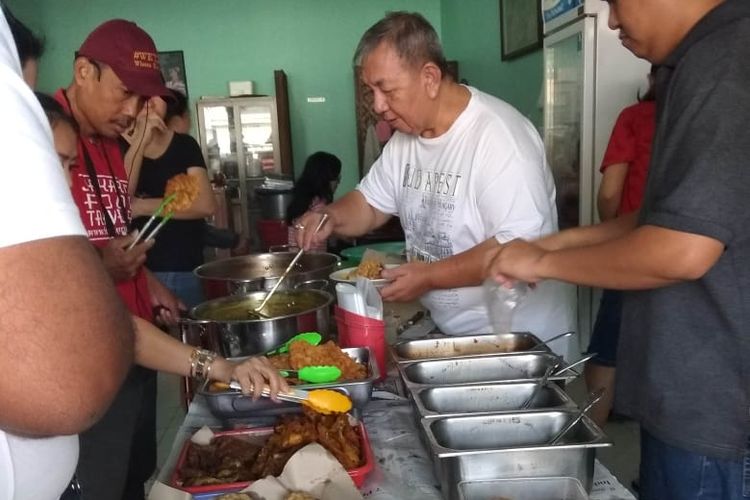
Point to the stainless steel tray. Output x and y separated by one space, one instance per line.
531 488
233 404
486 369
471 345
434 402
511 445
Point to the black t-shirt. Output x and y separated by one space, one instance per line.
683 368
179 244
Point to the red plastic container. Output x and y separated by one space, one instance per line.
360 331
273 232
358 475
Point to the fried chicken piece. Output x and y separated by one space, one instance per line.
302 354
226 459
185 188
333 432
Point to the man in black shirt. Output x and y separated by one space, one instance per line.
685 258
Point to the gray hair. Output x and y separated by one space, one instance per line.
410 34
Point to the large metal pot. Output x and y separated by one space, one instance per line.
258 272
219 325
274 202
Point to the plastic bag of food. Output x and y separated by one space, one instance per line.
502 302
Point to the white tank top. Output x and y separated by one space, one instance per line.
36 468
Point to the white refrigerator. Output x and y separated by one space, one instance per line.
589 77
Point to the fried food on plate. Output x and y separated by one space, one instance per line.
300 495
333 432
185 188
235 496
369 269
302 354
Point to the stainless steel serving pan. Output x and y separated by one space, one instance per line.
463 346
233 404
511 445
259 272
435 402
528 488
486 369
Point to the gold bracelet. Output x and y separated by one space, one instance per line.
200 363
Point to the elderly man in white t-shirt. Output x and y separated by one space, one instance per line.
67 341
465 172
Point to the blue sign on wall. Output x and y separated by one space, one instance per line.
556 8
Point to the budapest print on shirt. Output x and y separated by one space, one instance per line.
429 214
112 197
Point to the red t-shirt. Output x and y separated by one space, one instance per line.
631 143
113 184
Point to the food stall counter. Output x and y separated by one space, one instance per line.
403 468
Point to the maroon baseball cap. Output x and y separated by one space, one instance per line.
130 52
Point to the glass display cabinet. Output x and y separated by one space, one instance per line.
244 142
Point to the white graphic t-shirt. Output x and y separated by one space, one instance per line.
486 177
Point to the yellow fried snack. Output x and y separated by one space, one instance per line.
302 354
184 187
369 269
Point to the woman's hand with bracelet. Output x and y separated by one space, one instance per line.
252 374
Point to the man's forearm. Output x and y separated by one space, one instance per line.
463 269
353 216
649 257
589 235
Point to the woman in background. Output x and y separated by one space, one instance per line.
624 169
313 190
156 154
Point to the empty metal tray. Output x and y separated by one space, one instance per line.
511 446
471 345
486 369
435 402
527 488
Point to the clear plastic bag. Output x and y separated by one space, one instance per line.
502 302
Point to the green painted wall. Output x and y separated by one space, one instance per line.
471 35
311 40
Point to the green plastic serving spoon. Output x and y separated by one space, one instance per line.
314 374
312 338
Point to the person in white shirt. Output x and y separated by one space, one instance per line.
67 340
465 172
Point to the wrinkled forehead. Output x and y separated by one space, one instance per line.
383 65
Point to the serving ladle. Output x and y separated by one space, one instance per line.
258 309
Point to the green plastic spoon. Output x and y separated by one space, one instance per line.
312 338
314 374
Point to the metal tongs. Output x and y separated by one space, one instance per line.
293 396
552 371
593 398
157 213
258 309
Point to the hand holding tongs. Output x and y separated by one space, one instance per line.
288 268
151 220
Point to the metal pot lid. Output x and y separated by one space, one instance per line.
264 265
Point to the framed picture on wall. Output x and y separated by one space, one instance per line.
173 70
520 27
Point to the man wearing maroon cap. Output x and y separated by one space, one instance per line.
115 69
